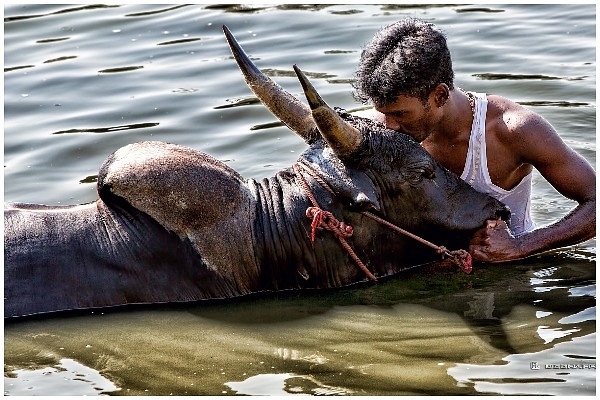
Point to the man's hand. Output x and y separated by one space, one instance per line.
494 243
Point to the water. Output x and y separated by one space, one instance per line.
82 81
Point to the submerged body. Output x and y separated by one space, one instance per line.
174 224
197 241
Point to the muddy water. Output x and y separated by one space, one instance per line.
82 81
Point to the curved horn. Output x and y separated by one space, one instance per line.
342 137
288 109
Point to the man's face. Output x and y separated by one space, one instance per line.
408 114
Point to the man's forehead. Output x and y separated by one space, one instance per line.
402 102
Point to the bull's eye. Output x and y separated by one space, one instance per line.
428 173
417 174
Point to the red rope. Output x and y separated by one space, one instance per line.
461 258
324 219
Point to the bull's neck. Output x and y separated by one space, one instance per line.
288 257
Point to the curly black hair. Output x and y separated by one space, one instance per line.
409 57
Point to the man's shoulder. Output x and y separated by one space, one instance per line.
516 127
502 105
509 118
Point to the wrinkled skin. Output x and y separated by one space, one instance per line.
173 224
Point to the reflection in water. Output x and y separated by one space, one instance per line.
67 377
434 334
548 372
283 384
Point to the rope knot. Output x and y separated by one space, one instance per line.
326 220
463 260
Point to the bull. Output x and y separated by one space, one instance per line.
172 224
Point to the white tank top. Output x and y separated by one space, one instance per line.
476 174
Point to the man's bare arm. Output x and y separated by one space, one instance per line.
570 174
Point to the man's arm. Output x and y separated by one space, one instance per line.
569 173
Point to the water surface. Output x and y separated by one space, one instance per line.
82 81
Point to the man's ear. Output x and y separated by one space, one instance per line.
441 94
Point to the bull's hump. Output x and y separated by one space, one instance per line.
189 193
178 186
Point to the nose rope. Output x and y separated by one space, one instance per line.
325 219
460 257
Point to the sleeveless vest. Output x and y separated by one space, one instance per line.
476 174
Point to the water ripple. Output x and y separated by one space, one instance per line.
67 10
495 77
554 104
478 9
146 13
178 41
240 102
120 69
108 129
59 39
8 69
59 59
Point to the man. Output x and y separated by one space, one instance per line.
491 142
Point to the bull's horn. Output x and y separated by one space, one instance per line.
288 109
342 137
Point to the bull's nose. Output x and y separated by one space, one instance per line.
503 213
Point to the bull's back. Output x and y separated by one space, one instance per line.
92 256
